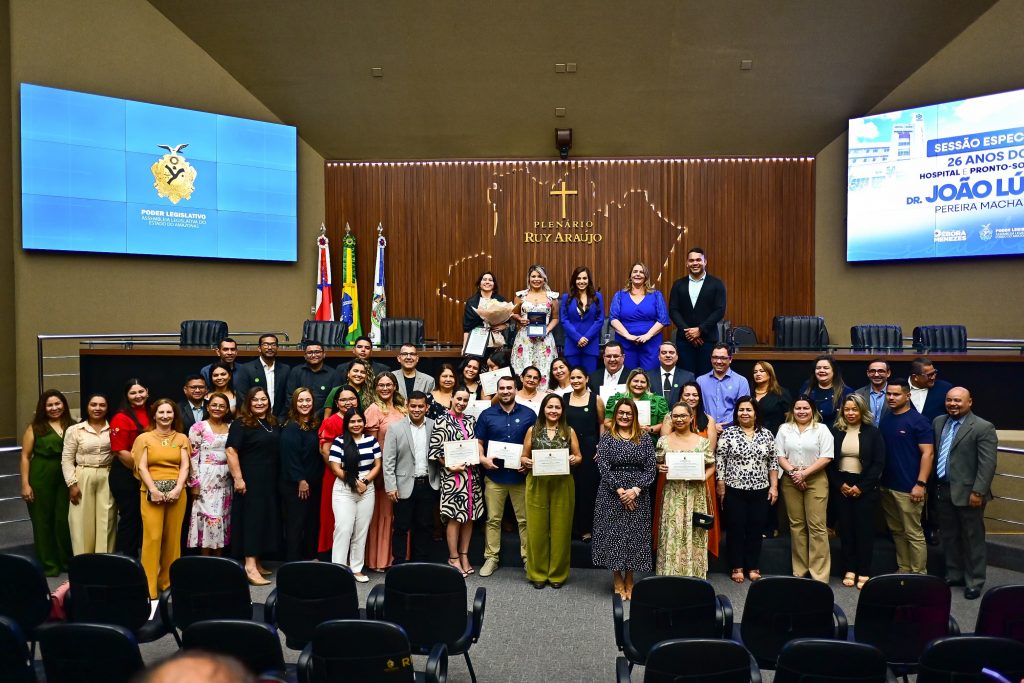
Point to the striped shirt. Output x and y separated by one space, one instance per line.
369 450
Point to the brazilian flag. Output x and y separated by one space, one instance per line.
349 288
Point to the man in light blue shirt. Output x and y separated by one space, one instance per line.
721 387
873 392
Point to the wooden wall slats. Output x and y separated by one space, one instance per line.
447 221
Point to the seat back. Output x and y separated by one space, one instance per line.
876 337
807 332
108 589
24 593
398 331
813 660
329 333
208 588
206 333
961 659
949 338
15 663
253 643
724 328
743 335
668 607
607 331
900 613
779 609
358 650
310 593
701 660
1001 613
89 653
428 601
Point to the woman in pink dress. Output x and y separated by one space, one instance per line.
387 408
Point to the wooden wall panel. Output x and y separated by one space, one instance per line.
447 221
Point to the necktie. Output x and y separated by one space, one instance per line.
944 447
666 386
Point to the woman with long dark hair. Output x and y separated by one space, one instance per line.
210 524
222 382
826 388
330 429
486 291
355 460
131 420
582 314
469 374
584 410
301 476
86 464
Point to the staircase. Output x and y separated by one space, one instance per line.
15 528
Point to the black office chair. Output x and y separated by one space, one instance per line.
814 660
700 660
960 659
206 588
398 331
89 653
943 338
804 332
607 332
876 337
329 333
24 594
725 334
779 609
1001 613
744 336
429 602
254 644
308 594
112 589
15 662
900 614
368 652
666 608
202 333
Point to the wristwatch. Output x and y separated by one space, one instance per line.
364 480
921 483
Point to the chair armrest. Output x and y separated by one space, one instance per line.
479 604
618 618
726 606
621 669
842 625
437 664
375 602
954 628
890 677
303 663
165 608
755 671
270 608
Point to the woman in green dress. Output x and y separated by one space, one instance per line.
550 499
42 483
637 386
682 547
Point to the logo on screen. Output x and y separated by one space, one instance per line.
986 232
173 177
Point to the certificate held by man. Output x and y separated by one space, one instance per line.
549 462
461 453
685 465
507 452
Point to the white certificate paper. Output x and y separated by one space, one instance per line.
549 462
461 453
643 413
609 390
684 465
476 344
476 407
489 380
509 452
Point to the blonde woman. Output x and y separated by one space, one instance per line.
532 346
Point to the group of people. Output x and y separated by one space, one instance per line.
648 457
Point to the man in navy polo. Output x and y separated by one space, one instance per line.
507 422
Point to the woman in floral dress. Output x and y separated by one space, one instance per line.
210 525
538 351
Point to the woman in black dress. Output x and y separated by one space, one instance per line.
253 451
773 400
584 410
302 473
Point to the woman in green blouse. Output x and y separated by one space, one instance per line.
637 386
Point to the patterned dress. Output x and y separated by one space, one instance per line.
682 547
462 493
210 524
622 538
537 352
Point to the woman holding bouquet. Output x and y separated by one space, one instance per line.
486 295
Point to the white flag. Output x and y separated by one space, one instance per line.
379 307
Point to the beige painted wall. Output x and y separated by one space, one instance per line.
125 48
7 365
986 295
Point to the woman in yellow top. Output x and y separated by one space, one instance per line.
162 460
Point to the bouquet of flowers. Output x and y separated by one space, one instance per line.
495 314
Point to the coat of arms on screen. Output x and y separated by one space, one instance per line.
174 178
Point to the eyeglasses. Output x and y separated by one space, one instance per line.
876 372
407 354
312 352
681 417
197 387
269 344
929 375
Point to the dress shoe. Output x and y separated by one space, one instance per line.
537 584
257 582
490 566
955 582
972 593
931 537
556 584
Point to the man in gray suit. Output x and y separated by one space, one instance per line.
668 369
873 392
964 467
409 378
411 480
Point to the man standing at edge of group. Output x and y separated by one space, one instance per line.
928 394
873 392
964 466
409 378
909 456
227 352
668 378
722 387
363 349
507 422
313 374
267 373
696 304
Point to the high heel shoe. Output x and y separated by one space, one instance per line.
256 582
453 562
264 571
467 572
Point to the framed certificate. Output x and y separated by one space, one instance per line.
476 344
536 325
476 407
609 390
461 453
643 413
489 380
507 452
549 462
684 465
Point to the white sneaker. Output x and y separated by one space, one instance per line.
490 566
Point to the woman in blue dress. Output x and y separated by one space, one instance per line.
638 314
582 314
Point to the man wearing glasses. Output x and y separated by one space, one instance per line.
410 379
265 372
873 392
313 374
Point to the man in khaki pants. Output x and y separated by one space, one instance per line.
909 453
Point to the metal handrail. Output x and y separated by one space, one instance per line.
1015 451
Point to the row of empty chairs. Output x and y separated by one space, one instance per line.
331 333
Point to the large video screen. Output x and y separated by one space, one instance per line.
100 174
941 181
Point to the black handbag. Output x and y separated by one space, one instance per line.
703 521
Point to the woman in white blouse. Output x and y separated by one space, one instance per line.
805 449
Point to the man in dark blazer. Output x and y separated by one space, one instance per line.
965 463
193 408
873 392
267 372
668 358
614 371
696 305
